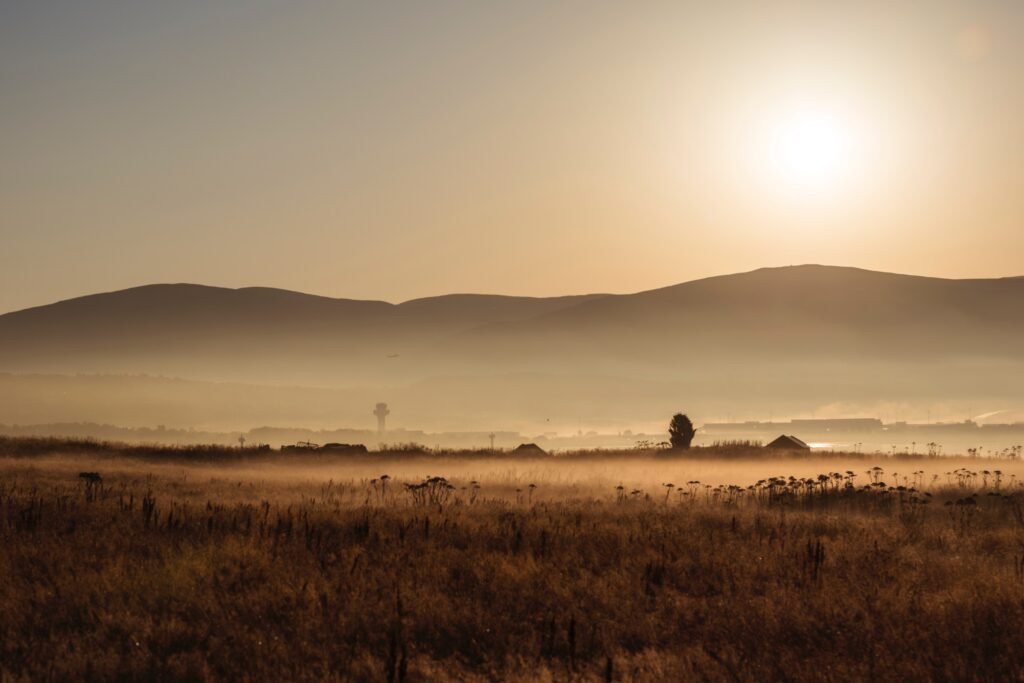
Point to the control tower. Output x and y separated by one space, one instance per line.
381 411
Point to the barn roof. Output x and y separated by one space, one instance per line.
788 441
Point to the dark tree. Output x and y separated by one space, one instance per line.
681 431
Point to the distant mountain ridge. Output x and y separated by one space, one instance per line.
218 306
800 309
820 331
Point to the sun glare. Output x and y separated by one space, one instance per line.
810 151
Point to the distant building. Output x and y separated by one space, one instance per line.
789 443
337 448
813 426
301 447
344 448
529 449
856 424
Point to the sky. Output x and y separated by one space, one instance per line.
387 150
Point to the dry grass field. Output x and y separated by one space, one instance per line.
834 567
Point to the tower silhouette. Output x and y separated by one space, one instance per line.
381 411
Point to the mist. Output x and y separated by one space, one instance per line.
768 346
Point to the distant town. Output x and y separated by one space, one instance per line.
862 426
871 434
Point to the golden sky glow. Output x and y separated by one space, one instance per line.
385 150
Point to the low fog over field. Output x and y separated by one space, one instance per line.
578 476
787 342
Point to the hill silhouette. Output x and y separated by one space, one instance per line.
813 333
250 333
792 312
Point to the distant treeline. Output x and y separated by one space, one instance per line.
51 446
44 446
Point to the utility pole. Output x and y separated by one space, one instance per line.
491 437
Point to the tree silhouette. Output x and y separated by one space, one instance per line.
681 431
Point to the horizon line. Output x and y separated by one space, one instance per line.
502 295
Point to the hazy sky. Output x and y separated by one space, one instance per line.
395 150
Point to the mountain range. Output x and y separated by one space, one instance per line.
801 335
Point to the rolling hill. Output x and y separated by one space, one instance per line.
818 333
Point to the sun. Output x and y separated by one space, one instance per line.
810 150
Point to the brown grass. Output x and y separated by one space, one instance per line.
264 571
